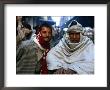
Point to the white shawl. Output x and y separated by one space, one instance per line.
79 59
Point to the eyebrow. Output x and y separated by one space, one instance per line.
74 32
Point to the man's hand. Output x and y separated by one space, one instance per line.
59 71
69 71
63 71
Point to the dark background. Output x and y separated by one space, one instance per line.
2 31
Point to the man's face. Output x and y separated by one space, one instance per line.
46 33
74 36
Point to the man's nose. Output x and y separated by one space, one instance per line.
47 34
74 36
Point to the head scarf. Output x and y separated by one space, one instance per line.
77 28
74 46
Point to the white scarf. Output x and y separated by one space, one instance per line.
72 47
76 56
81 60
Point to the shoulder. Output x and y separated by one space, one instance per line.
89 50
57 50
90 44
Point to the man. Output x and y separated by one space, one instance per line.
31 55
42 40
25 52
74 54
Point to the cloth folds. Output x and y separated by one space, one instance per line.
79 58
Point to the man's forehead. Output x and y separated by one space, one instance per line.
45 28
73 32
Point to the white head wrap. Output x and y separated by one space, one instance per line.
78 28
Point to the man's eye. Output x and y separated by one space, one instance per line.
44 32
75 33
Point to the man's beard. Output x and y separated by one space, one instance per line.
73 45
47 39
44 43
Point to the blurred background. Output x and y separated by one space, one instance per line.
60 24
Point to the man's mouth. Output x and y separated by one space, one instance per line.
46 38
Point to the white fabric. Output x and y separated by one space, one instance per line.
36 41
79 59
78 28
73 46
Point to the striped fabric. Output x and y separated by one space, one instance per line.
26 58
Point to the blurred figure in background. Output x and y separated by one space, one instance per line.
26 58
19 33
